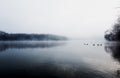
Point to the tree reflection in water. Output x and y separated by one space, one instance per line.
4 45
114 49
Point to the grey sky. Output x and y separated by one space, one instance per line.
74 18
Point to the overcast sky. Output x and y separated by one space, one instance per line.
73 18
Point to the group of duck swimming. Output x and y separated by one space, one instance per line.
93 44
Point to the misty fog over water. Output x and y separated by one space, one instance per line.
59 59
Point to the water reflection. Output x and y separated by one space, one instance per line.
55 62
4 45
114 49
51 70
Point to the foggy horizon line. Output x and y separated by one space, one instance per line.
70 37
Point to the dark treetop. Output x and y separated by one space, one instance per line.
114 33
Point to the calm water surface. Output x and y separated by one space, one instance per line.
60 59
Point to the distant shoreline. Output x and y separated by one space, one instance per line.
29 37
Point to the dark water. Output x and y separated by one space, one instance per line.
60 59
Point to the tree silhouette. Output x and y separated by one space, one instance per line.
114 33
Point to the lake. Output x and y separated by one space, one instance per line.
60 59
